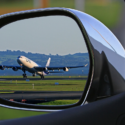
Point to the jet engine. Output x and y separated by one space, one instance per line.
66 69
14 68
2 67
45 69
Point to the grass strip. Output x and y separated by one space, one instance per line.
108 13
59 102
7 113
47 85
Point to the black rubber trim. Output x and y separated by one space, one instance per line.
109 111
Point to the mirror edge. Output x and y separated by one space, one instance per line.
11 17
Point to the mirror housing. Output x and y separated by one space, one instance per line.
106 72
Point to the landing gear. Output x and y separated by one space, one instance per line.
34 75
24 75
42 76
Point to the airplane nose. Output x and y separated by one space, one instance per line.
18 59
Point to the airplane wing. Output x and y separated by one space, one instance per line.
58 68
56 72
15 68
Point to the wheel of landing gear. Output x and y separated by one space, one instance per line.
34 75
42 77
24 76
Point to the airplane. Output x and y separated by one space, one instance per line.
34 68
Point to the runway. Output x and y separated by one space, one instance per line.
8 79
41 96
34 97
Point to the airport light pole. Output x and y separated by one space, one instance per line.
82 71
36 3
80 5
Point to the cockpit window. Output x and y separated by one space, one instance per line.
19 56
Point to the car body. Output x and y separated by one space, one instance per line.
102 101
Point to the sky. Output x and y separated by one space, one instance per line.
45 35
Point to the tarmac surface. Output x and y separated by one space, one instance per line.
8 79
34 97
41 96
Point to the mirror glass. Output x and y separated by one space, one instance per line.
43 61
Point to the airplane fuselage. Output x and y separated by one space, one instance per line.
29 65
34 68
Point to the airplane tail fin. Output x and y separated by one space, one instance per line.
48 62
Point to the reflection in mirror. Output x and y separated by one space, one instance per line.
51 54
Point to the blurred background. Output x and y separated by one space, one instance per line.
110 12
107 11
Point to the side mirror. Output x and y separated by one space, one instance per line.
75 50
